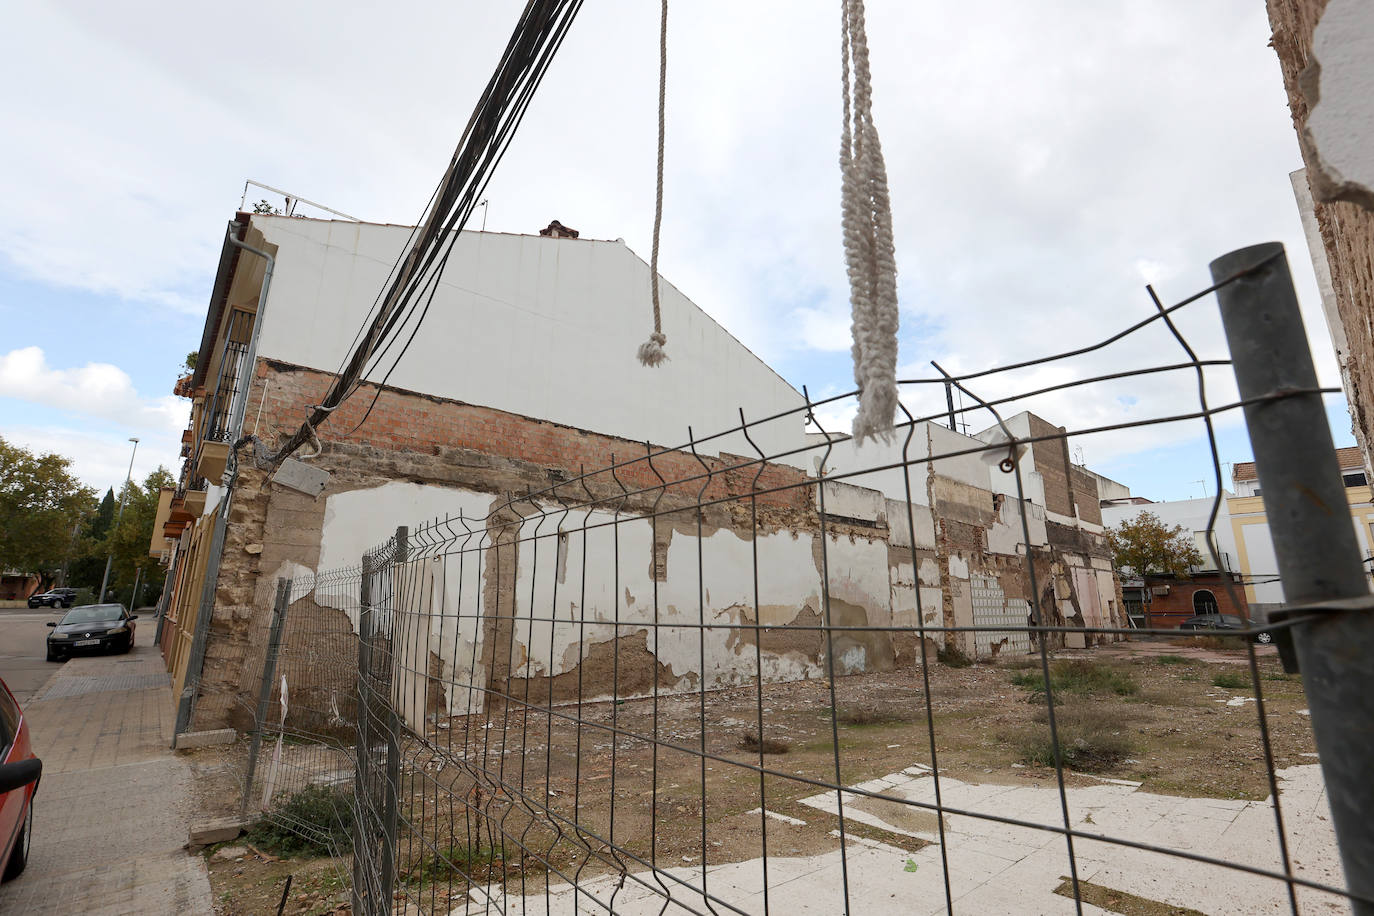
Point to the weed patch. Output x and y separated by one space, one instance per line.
750 742
952 656
316 821
1090 741
1172 660
861 717
470 861
1083 678
1231 680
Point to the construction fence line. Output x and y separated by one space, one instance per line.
714 680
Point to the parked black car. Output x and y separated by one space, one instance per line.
1223 622
57 597
91 627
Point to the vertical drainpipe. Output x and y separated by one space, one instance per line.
196 662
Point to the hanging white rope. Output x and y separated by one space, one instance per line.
651 351
869 254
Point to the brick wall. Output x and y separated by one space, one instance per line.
1177 606
1084 488
426 440
1347 230
1051 458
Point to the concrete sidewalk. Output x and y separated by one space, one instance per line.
111 815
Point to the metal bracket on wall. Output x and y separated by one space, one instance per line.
305 478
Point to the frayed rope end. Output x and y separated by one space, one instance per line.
651 351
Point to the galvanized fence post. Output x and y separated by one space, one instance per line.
1325 588
392 788
269 670
363 856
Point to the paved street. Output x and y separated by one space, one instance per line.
22 635
112 812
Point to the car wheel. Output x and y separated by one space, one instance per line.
1264 638
128 644
20 857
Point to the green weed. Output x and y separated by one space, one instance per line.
316 821
1231 680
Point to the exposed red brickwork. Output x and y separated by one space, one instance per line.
1177 606
412 422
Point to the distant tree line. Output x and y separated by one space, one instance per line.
55 527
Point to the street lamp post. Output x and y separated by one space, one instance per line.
109 558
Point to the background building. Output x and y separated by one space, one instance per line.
523 377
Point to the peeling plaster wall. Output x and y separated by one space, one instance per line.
577 576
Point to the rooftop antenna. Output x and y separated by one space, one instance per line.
483 204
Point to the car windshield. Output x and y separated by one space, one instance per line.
94 613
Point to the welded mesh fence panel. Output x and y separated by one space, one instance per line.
771 671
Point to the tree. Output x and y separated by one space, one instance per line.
41 506
1146 546
128 542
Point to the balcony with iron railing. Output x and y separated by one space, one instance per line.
222 408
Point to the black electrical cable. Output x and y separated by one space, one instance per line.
410 286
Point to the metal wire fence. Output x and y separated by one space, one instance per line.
722 678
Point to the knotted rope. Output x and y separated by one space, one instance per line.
869 254
651 351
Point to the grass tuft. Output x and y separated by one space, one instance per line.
469 861
1172 660
1080 677
1231 680
1090 741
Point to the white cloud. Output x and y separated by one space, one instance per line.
98 390
1043 159
101 461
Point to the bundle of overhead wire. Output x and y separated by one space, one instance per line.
406 295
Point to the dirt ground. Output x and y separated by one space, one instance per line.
522 797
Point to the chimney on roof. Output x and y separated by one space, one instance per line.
557 230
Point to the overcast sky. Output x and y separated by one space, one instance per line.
1046 161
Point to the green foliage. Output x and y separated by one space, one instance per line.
1172 660
104 517
1079 677
266 209
41 505
190 364
1146 546
461 860
128 541
1231 680
321 820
